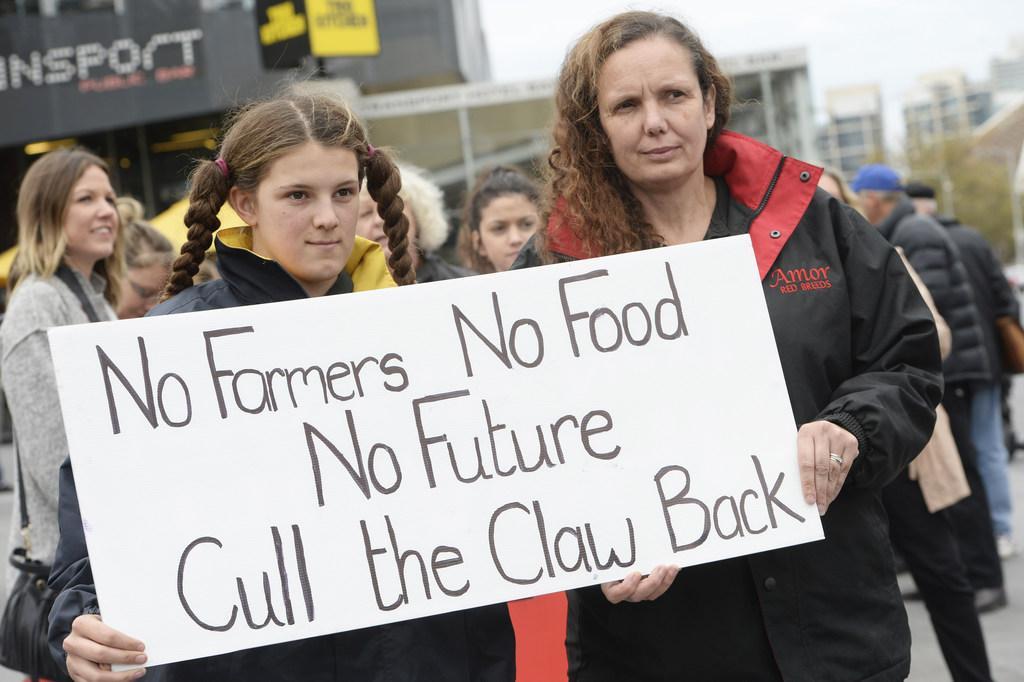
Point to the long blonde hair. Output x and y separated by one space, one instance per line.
846 194
43 200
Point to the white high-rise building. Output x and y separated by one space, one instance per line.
1007 74
853 134
943 105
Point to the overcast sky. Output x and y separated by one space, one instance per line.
867 41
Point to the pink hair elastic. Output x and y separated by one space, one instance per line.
370 150
222 165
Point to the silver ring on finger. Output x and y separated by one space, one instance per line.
838 459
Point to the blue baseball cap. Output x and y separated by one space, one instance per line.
877 177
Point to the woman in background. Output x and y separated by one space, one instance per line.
148 255
502 212
833 182
69 270
428 227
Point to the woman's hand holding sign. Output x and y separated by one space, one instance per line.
825 452
93 646
635 587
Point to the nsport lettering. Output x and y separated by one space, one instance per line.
123 57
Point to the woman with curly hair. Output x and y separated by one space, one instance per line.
642 160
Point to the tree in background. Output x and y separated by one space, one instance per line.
971 183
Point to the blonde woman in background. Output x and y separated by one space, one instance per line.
833 182
68 270
148 255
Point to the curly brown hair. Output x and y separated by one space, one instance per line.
261 133
582 179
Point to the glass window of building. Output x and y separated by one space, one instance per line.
851 139
22 7
70 6
217 5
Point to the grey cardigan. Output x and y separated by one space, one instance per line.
29 383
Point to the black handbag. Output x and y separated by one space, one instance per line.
26 619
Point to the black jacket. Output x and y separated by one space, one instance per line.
433 268
464 646
937 260
992 293
858 347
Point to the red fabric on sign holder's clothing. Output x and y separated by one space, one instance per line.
539 624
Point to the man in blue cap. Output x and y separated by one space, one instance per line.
880 190
936 258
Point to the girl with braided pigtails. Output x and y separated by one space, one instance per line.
292 168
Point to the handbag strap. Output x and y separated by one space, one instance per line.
21 557
68 277
65 275
22 503
23 506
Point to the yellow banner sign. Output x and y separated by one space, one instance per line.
342 28
283 24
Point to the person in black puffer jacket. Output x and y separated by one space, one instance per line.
937 259
995 299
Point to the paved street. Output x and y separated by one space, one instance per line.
1002 629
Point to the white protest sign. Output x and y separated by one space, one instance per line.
266 473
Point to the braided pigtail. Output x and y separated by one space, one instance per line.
383 182
210 186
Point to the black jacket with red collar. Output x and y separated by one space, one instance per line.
858 347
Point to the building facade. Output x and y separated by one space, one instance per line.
944 105
772 99
145 83
1007 74
854 134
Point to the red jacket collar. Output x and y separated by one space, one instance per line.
748 167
